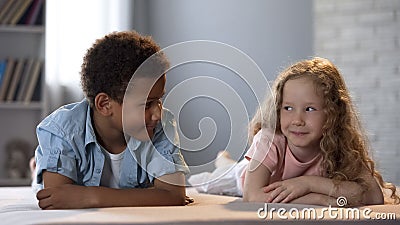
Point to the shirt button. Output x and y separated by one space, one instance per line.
98 170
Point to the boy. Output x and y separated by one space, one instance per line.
107 150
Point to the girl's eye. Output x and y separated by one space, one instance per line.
288 108
309 109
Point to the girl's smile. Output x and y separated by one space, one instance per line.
297 133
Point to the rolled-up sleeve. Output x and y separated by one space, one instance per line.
264 150
55 155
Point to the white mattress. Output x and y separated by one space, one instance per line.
19 206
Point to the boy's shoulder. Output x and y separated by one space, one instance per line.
67 118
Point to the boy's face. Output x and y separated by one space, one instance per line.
142 108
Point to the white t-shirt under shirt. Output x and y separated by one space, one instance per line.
111 170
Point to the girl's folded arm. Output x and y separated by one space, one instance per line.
315 199
349 189
256 178
291 189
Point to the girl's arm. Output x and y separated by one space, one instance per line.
255 181
288 190
351 190
61 193
315 199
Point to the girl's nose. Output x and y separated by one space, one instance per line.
298 120
156 112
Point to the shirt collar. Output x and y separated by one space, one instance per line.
90 135
133 144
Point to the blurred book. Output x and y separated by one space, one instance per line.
33 81
15 80
6 78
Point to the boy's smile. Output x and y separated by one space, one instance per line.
143 108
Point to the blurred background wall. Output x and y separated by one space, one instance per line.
363 40
272 33
362 37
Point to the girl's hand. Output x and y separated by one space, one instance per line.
287 190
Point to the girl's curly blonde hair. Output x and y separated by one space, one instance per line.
344 144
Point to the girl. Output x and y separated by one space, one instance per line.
308 145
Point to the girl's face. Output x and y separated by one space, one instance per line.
302 117
143 109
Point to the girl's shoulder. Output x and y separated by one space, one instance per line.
267 140
268 147
270 136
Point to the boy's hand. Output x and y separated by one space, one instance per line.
67 196
287 190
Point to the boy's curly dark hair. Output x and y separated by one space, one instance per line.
109 64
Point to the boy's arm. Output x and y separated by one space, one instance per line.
287 190
60 193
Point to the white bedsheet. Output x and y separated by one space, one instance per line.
19 206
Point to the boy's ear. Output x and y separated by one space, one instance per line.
102 104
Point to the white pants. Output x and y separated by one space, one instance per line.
226 179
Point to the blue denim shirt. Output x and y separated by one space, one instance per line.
68 146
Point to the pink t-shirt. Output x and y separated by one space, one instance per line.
279 159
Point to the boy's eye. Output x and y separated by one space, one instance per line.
148 105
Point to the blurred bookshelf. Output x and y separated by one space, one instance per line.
23 101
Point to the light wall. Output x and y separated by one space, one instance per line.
360 36
272 33
72 26
363 39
